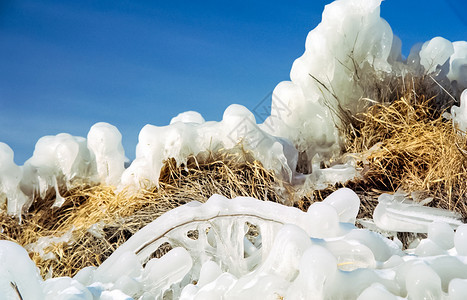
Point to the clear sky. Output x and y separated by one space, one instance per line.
65 65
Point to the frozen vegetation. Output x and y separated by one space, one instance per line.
296 255
250 249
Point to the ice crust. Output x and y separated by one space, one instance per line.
292 255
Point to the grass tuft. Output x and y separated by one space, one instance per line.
116 216
408 145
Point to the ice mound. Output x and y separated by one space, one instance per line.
285 258
61 161
57 160
105 143
10 177
396 213
458 66
18 272
349 54
350 41
188 117
246 249
188 134
459 113
435 53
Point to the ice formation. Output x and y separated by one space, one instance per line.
396 213
352 50
351 38
188 117
105 144
435 54
245 248
10 177
189 135
291 254
57 160
17 271
39 247
459 113
458 66
61 161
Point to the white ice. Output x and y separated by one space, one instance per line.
290 260
458 66
435 53
459 113
293 254
61 160
18 272
105 143
349 52
188 117
237 130
396 213
11 195
39 247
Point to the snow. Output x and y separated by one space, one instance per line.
295 254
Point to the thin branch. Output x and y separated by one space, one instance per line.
15 287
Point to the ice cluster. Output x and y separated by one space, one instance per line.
245 248
346 55
188 134
459 113
350 52
105 144
396 213
250 249
11 195
57 161
61 161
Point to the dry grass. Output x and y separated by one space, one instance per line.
408 145
122 214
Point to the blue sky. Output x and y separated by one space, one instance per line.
66 65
